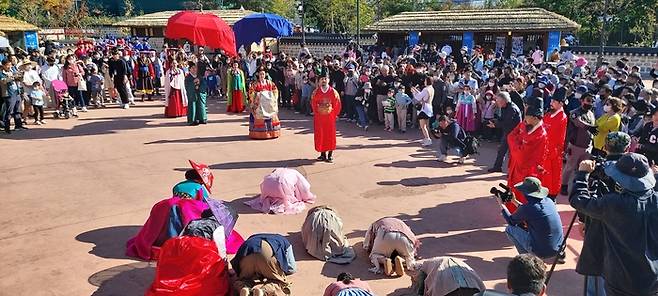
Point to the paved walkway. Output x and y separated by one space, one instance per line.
73 191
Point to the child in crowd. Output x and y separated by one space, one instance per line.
96 82
389 110
489 113
361 105
307 89
402 102
466 109
37 96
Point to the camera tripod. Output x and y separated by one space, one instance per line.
563 247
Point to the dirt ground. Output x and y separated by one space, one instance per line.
74 191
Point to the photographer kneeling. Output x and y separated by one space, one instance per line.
629 221
452 136
535 227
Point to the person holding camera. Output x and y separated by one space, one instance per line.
629 224
452 137
535 227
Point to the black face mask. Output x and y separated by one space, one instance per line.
587 107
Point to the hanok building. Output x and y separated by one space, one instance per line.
153 25
510 31
20 34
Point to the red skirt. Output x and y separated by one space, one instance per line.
175 107
237 102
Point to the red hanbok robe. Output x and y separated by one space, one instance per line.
527 152
326 107
556 130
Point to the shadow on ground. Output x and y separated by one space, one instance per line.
124 280
109 242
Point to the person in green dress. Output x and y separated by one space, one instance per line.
197 92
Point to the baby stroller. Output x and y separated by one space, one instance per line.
65 104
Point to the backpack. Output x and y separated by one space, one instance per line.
472 145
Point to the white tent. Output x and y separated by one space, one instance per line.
4 42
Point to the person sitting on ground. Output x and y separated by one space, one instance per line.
262 264
322 234
348 285
452 137
526 276
444 276
535 227
390 242
283 191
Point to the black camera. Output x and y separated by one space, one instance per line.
504 195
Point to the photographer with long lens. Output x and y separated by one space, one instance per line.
591 257
629 224
535 227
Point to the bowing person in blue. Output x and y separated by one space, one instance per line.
262 263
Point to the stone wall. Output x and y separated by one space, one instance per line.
316 49
645 59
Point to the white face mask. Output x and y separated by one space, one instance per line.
577 95
491 84
126 58
607 108
640 98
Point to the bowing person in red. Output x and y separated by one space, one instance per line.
555 123
527 146
325 103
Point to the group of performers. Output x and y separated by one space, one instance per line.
186 94
191 235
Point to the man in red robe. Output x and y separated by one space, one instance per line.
527 146
555 123
325 103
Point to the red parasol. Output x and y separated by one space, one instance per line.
205 173
203 29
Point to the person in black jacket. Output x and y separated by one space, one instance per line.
509 119
119 72
648 138
452 137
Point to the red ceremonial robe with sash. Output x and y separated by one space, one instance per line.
527 152
326 107
556 131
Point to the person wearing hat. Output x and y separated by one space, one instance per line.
535 227
352 85
527 146
326 106
579 138
629 219
264 108
591 257
648 138
555 123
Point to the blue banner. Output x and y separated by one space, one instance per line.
31 40
553 43
467 40
414 38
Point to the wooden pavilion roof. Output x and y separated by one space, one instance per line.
159 19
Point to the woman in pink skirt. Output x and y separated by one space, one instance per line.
467 109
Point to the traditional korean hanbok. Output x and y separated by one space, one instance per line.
283 191
175 95
264 119
237 91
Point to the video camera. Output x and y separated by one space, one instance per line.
505 195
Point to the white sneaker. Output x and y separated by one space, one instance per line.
126 106
426 142
461 160
84 109
442 158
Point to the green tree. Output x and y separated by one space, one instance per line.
337 16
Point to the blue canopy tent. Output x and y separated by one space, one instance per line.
256 26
